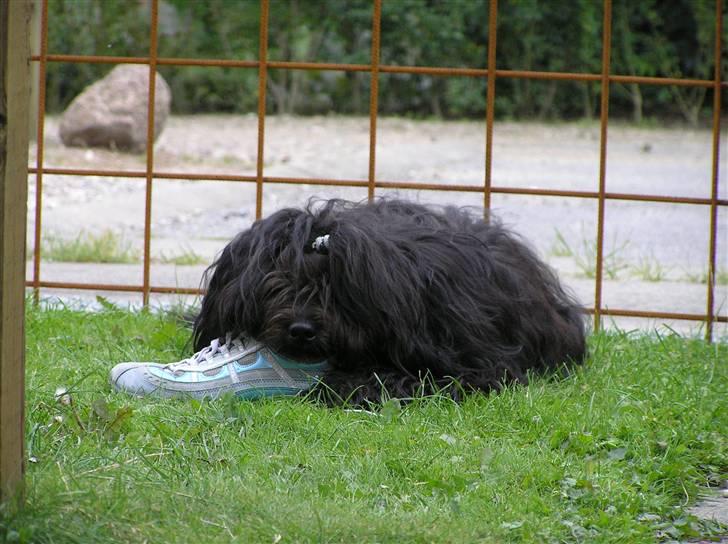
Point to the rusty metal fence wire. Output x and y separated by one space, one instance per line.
374 68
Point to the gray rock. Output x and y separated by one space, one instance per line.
712 508
112 112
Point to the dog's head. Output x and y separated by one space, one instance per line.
314 283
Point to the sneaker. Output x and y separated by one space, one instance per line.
249 370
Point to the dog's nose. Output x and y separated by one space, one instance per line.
303 331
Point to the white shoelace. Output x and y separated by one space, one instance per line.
206 355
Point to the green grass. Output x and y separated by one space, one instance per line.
721 277
560 247
612 262
188 256
105 247
585 255
650 269
613 453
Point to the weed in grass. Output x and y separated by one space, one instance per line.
613 262
182 310
613 452
106 247
650 269
186 258
721 277
560 247
585 255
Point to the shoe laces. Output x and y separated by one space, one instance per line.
219 347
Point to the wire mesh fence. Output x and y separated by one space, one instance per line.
374 184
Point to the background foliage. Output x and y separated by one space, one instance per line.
650 38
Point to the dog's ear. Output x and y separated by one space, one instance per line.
232 281
374 277
220 282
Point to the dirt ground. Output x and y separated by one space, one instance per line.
656 253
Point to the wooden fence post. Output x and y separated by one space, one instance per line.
14 103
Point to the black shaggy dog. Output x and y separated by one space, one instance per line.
399 297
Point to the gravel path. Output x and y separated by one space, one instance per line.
643 240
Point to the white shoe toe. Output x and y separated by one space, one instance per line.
132 377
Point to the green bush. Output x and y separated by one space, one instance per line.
649 38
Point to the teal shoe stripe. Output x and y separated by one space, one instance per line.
263 392
259 363
289 363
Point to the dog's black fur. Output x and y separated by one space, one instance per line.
404 299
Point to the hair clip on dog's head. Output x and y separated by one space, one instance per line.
321 244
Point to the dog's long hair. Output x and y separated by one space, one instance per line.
399 297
